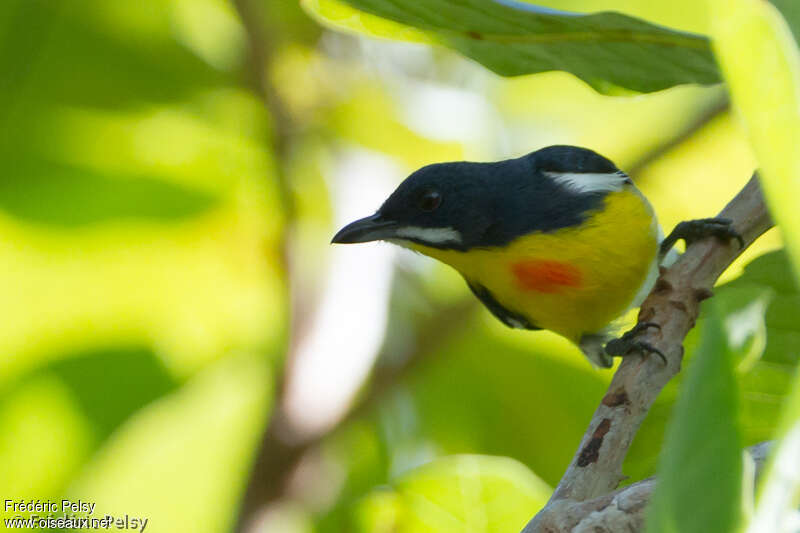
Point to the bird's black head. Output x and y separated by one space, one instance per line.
465 205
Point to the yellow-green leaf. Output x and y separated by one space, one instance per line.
761 63
474 493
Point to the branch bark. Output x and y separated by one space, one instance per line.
674 304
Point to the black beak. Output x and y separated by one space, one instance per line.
371 228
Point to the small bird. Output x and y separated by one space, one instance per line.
558 239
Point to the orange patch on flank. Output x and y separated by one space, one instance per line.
545 276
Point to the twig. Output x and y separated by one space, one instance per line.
716 108
674 304
272 453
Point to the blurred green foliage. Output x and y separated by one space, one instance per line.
143 289
159 217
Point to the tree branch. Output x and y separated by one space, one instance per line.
674 304
621 510
272 453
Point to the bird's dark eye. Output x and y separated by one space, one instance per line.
430 200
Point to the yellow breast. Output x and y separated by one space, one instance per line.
575 280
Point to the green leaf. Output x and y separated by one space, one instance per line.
759 311
342 16
185 458
514 38
61 195
768 281
45 438
761 64
474 493
55 418
111 385
790 9
779 493
700 470
95 54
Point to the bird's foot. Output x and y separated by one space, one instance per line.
694 230
627 344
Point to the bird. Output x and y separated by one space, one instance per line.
558 239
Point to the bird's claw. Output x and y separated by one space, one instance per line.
694 230
627 344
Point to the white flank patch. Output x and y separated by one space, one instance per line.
590 182
431 235
653 271
647 285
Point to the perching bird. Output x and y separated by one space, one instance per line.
559 239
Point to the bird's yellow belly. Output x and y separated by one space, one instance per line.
575 280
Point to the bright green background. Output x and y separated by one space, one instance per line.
146 219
